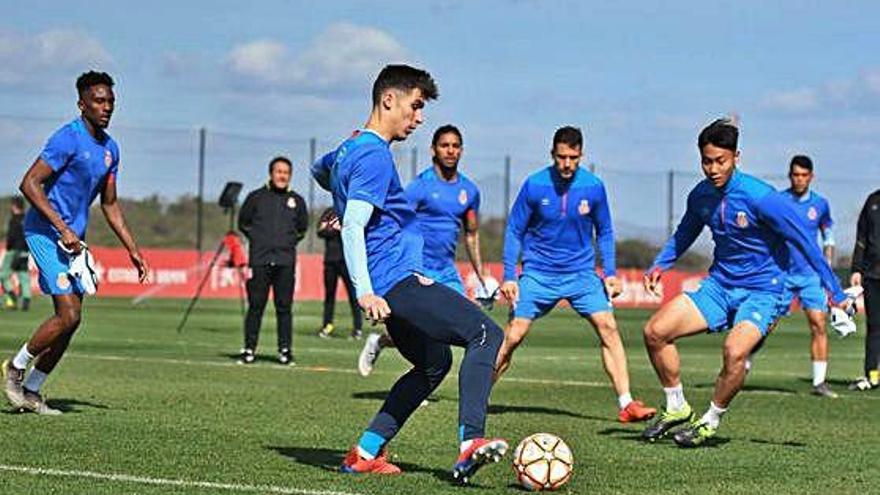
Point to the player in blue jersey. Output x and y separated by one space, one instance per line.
754 228
802 281
445 200
79 162
552 224
382 246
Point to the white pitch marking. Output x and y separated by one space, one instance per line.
144 480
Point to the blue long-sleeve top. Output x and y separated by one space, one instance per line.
750 223
552 223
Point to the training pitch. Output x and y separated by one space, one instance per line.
151 411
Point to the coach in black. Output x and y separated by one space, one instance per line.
274 219
866 272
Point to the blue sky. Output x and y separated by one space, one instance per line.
641 79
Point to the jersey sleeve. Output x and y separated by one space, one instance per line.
601 213
780 215
517 222
685 234
414 193
475 199
113 170
60 147
321 170
370 177
826 224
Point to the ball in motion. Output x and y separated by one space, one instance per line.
542 462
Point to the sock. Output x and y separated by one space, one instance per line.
820 368
623 400
23 358
370 444
713 415
34 380
675 400
464 446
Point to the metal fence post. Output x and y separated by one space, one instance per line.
414 163
200 197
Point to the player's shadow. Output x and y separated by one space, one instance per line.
259 358
622 433
66 406
381 395
510 409
790 443
331 459
753 388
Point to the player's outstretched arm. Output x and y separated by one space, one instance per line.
685 234
778 212
113 213
354 246
32 188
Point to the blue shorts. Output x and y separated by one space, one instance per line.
540 292
448 276
53 264
724 307
808 289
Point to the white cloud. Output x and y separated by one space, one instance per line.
343 54
794 100
28 59
859 91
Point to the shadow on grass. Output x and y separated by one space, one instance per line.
509 409
259 358
623 434
752 388
792 444
381 395
331 459
66 406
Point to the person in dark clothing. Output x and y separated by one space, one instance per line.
15 260
274 219
329 229
866 273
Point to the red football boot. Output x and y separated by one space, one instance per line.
354 463
636 411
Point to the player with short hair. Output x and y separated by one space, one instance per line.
445 200
78 162
754 228
552 223
802 281
383 252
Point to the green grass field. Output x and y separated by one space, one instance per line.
152 411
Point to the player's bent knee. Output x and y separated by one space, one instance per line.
654 334
735 355
437 370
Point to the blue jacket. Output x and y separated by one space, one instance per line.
552 223
750 224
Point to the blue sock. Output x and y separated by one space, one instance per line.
371 443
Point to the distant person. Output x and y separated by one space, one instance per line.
866 272
559 212
274 219
329 229
802 281
79 162
15 261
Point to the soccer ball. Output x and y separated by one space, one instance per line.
542 462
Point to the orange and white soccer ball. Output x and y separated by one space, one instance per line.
542 461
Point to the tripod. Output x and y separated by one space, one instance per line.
231 243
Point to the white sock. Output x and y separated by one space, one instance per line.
34 380
623 400
364 454
713 415
675 400
820 368
23 358
464 446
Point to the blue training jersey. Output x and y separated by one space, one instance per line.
552 223
362 168
815 213
81 164
440 208
750 223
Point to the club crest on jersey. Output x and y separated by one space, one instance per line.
462 197
742 220
812 214
108 158
62 281
291 203
584 207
